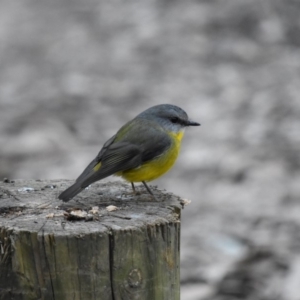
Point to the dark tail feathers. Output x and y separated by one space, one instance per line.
71 192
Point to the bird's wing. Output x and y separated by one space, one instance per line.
149 136
118 157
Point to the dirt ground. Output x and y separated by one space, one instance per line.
73 72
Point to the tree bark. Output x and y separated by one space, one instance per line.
84 249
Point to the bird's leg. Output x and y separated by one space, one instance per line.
149 190
133 188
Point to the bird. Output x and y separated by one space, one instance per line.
144 149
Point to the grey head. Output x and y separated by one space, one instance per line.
169 116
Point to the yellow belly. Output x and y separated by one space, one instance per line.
157 167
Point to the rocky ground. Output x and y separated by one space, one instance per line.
73 72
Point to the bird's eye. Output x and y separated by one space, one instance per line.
174 120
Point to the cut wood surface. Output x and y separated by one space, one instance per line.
106 243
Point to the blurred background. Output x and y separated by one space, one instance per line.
73 72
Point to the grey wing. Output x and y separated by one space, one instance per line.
155 148
151 139
118 157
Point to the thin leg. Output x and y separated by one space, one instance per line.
133 188
149 190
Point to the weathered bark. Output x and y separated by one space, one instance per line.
48 253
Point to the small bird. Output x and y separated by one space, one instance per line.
143 149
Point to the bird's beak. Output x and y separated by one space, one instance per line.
192 123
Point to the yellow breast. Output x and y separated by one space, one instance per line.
158 166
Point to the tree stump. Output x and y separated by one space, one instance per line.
105 244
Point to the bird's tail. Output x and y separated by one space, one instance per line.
71 192
79 184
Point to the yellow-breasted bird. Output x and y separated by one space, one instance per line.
142 150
